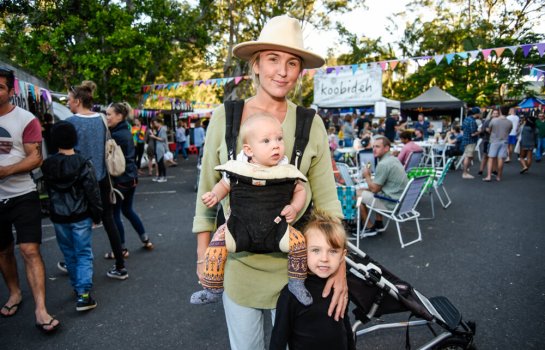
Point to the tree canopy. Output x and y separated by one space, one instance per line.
124 44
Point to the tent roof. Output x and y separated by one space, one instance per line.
433 98
531 102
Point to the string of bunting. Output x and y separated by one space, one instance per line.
384 65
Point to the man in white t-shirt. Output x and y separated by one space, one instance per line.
515 120
20 153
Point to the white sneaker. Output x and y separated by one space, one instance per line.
155 179
162 179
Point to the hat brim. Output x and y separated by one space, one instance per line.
247 49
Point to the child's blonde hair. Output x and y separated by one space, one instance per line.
330 226
247 128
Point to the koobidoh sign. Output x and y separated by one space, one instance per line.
347 89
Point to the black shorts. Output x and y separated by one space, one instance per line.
23 213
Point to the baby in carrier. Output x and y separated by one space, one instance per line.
265 195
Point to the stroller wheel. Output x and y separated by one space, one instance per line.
455 343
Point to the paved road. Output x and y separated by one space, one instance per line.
485 253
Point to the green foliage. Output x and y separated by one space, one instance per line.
458 28
119 45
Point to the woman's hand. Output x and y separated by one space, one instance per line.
339 301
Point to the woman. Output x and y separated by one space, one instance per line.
139 132
160 146
348 131
198 135
180 140
528 138
116 115
150 152
253 281
91 130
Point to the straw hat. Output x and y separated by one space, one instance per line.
281 33
394 112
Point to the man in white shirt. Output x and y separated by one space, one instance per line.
515 120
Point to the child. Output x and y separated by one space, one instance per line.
310 327
74 205
265 195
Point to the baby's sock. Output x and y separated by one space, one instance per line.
206 296
297 288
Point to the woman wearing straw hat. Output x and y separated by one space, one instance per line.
253 281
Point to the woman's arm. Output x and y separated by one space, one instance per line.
205 218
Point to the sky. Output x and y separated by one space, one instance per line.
370 23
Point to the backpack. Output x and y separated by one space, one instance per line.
113 155
303 123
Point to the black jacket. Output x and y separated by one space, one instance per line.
73 190
123 137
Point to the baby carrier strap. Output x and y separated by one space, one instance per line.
303 123
233 116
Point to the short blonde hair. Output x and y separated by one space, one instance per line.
330 226
248 126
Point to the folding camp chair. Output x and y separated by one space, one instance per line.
366 158
350 175
350 206
413 160
431 173
405 209
440 184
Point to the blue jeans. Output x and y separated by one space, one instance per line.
245 325
540 148
75 242
125 206
180 146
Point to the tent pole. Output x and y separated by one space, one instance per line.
461 115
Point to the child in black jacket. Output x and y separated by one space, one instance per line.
75 205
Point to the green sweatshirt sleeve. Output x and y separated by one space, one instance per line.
205 218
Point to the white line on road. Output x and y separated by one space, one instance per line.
157 192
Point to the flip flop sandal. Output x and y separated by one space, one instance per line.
148 245
9 308
111 255
41 326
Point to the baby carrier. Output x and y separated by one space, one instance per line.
303 124
375 291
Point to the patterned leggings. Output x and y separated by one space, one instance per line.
216 255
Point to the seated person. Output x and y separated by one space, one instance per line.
363 141
408 147
265 194
390 181
418 135
454 137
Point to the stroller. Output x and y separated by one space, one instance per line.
375 291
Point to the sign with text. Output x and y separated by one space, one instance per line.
348 89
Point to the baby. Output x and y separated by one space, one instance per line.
265 195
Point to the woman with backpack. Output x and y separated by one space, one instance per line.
117 115
253 281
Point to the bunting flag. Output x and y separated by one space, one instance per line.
174 88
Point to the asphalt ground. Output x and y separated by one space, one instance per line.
485 253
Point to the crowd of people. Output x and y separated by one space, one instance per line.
81 191
284 254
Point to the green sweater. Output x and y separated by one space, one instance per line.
255 280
